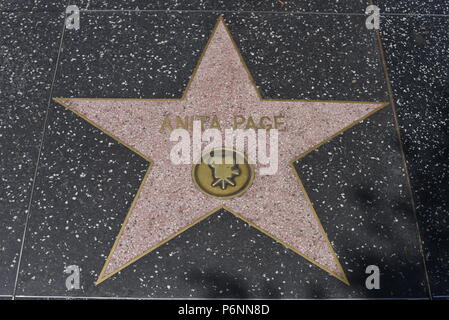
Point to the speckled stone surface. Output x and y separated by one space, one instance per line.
86 180
85 184
358 187
226 258
28 51
421 95
38 6
348 65
228 5
413 7
221 257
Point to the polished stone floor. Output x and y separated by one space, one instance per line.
92 207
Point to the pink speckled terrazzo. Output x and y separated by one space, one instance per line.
169 200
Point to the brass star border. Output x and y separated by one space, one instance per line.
102 277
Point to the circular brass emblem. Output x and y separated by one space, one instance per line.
223 173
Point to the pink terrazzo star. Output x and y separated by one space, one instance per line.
168 201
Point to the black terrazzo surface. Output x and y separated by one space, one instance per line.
221 257
417 51
29 47
159 51
200 262
86 180
326 57
38 6
228 5
437 7
84 187
135 55
358 187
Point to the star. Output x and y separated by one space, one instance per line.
168 202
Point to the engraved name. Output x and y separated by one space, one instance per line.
238 121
